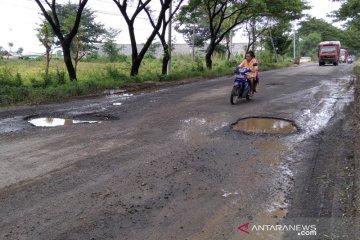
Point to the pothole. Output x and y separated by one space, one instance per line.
54 122
265 125
94 117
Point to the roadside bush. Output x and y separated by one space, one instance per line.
13 94
94 76
266 57
199 65
114 74
60 77
35 83
8 79
122 58
90 86
5 100
232 63
18 80
238 57
94 56
47 80
52 79
357 69
53 93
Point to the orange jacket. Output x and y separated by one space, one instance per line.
250 64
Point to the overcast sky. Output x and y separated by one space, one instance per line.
19 19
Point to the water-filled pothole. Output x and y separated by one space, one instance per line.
54 122
265 125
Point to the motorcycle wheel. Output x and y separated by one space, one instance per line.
234 96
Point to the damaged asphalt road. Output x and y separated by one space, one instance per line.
168 165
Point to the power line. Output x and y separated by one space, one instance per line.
115 14
113 4
96 11
108 4
109 13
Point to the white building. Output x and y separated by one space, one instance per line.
178 48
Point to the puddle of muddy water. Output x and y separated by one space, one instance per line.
265 125
123 96
54 122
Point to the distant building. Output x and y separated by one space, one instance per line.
11 55
33 55
305 59
178 49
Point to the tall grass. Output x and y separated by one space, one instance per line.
24 81
356 69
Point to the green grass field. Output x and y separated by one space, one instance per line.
24 81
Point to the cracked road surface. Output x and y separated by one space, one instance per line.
166 164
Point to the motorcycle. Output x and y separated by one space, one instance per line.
241 88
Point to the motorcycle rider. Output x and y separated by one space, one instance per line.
252 63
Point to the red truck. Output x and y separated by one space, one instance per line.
329 52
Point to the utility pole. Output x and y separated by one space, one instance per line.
231 43
169 40
193 44
294 41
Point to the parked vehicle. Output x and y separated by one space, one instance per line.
344 55
241 88
329 52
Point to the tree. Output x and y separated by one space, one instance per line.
278 39
195 33
220 17
110 47
11 45
349 12
228 42
256 27
137 56
351 38
8 53
326 30
151 52
65 37
47 39
309 44
223 16
2 52
270 13
19 51
88 35
161 33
